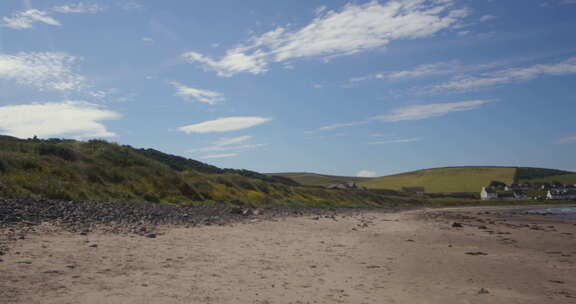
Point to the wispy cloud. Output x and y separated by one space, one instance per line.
424 70
487 18
77 119
26 19
342 125
419 112
567 140
432 70
353 29
366 173
551 3
129 4
206 96
224 155
78 8
395 141
511 75
236 144
416 112
226 141
43 71
224 124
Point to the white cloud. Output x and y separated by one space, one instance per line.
229 144
227 141
209 97
215 148
341 125
552 3
129 4
224 124
224 155
68 118
43 71
510 75
417 112
424 70
148 39
26 19
366 173
78 8
353 29
395 141
234 62
431 70
567 140
487 18
431 110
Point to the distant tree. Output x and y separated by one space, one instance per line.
497 184
557 184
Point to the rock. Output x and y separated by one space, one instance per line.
456 225
237 210
151 235
93 245
476 253
482 227
483 291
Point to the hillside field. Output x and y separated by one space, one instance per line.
569 179
444 180
458 179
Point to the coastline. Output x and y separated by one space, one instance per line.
415 256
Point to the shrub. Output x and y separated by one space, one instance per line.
58 151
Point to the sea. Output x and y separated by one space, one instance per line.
564 212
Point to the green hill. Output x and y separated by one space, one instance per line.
99 170
444 180
314 179
568 179
457 179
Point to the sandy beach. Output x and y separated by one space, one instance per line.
474 255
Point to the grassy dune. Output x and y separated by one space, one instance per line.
314 179
99 170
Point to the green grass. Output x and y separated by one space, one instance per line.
98 170
313 179
444 180
569 178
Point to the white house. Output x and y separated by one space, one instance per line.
488 194
520 195
561 195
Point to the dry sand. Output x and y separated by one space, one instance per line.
408 257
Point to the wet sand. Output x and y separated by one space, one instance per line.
407 257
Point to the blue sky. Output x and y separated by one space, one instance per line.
365 88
